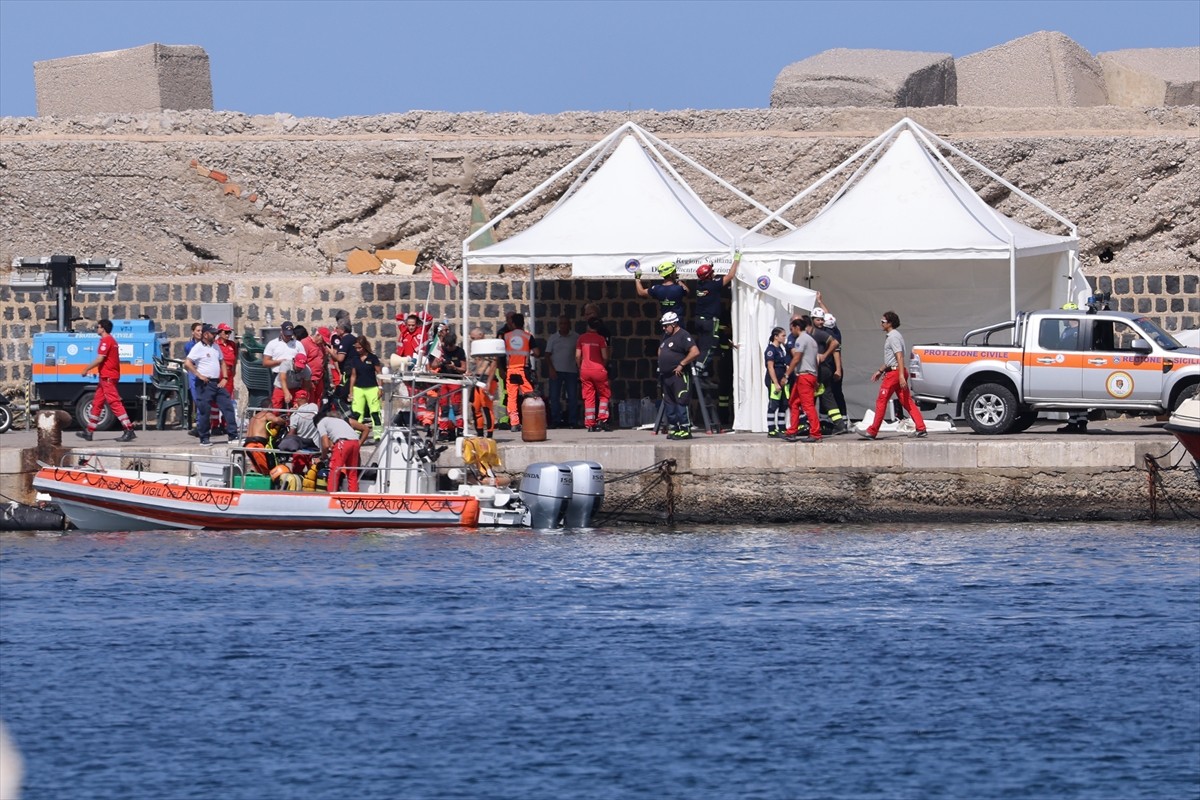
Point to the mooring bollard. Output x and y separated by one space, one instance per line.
50 426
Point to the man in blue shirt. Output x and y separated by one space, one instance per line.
669 294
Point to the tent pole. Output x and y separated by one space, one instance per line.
648 137
466 339
775 215
542 186
1012 278
1027 198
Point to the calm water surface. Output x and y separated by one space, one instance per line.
959 662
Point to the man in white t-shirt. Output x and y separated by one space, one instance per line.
280 350
564 374
207 364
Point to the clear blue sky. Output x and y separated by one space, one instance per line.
334 59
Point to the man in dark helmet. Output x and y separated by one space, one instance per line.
710 290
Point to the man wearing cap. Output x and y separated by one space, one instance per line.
669 294
709 292
278 350
676 352
206 363
229 354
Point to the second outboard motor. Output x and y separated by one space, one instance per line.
546 489
587 495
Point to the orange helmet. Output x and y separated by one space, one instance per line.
279 470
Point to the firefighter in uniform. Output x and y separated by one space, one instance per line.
710 289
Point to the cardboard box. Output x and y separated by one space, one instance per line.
360 261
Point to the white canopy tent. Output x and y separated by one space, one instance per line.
629 202
906 232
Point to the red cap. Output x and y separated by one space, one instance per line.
299 360
400 317
300 397
324 333
224 326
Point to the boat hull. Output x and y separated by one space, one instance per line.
103 502
1185 424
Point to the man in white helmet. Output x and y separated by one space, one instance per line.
675 352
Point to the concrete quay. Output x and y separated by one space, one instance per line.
741 478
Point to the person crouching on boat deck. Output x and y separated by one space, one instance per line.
205 361
108 370
676 352
341 442
262 432
365 396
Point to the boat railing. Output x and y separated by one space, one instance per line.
188 469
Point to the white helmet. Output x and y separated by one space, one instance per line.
670 318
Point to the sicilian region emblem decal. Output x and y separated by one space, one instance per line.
764 282
1119 385
631 266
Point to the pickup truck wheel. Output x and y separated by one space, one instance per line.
83 407
991 409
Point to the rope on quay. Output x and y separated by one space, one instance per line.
665 470
1154 478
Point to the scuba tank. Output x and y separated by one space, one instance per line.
310 479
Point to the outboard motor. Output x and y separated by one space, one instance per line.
587 495
546 489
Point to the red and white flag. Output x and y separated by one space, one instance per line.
442 275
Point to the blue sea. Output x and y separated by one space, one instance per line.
965 661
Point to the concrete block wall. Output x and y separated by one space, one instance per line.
153 77
372 303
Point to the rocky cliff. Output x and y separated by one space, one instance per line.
297 194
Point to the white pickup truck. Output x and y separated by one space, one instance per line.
1001 376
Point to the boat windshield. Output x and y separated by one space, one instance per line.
1163 339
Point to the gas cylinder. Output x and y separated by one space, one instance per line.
310 479
533 419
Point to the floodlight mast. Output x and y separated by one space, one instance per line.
61 274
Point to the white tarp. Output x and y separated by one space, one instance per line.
629 207
906 233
